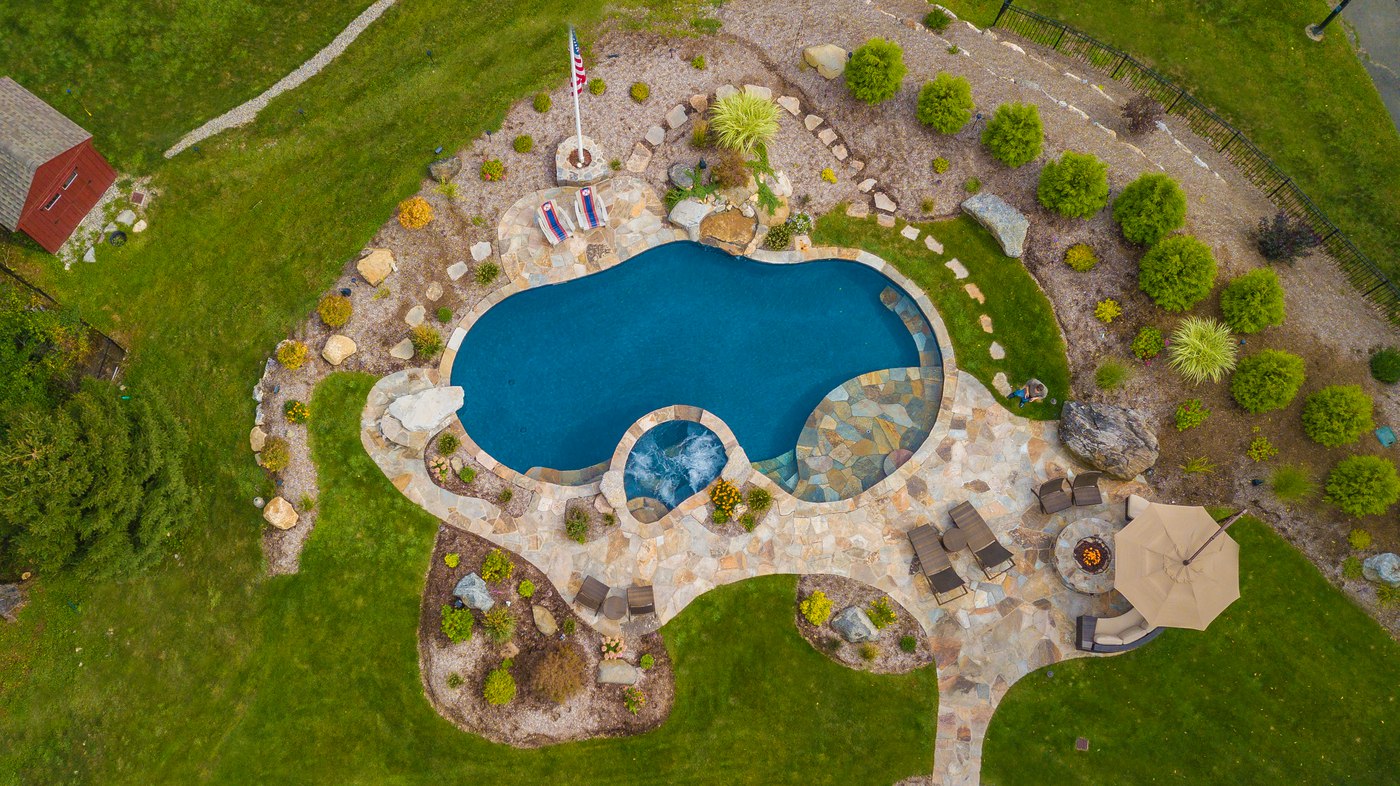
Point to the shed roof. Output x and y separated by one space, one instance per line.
31 134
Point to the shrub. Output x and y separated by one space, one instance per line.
523 143
700 133
940 165
486 273
1076 186
760 500
743 121
725 496
1141 113
526 589
1337 415
1081 257
828 175
500 687
576 525
1267 380
778 238
454 681
560 674
748 521
1283 239
953 49
730 171
448 190
1359 539
1352 568
542 102
426 341
816 608
1112 374
1014 136
296 412
452 560
1253 301
415 213
1150 208
1363 485
1148 344
937 20
698 62
1202 349
615 164
1385 365
801 223
945 104
457 624
869 652
505 496
875 71
881 613
1190 414
639 92
597 86
633 699
647 661
1292 483
1260 449
334 310
972 185
292 354
1198 466
1177 273
444 314
496 566
276 454
926 204
568 626
492 170
467 474
499 624
1107 310
908 644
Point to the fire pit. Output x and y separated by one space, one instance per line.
1084 555
1092 554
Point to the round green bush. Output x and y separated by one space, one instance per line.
457 624
1014 135
1363 485
500 687
875 71
1177 273
523 143
1267 380
1253 301
1337 415
1385 365
1076 186
778 238
640 92
1150 208
937 20
1081 257
597 86
1148 343
945 104
543 102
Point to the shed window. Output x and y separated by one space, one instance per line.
70 180
53 200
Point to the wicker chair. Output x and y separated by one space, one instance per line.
592 594
641 600
985 547
1054 496
933 563
1086 489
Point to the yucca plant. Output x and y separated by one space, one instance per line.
743 121
1202 349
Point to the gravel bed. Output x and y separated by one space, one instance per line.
845 592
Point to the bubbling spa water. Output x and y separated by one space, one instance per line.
673 461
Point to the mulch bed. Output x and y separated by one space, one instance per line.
845 592
733 528
485 485
598 522
529 720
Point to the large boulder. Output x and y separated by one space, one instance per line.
1382 569
1115 439
688 214
731 229
280 513
427 410
376 266
338 348
618 672
854 625
828 59
444 169
544 620
1005 222
473 592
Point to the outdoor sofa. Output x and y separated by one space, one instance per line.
1113 634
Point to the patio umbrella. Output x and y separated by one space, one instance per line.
1177 566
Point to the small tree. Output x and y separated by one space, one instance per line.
1141 113
945 104
1253 301
1283 239
875 71
743 121
1177 273
1150 208
39 349
1267 380
560 674
1337 415
1363 485
1076 186
1014 135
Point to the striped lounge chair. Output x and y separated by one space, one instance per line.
591 211
554 223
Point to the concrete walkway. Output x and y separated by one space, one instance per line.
1375 25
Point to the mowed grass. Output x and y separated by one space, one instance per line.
1022 318
1292 684
1309 106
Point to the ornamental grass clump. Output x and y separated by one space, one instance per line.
881 613
639 92
1253 301
276 454
561 673
1202 349
1014 135
1112 374
499 624
945 104
1359 539
1081 257
1177 273
816 608
426 342
597 86
1363 485
875 71
1337 415
743 121
1292 483
937 20
1150 208
415 213
1076 186
1267 380
334 310
576 525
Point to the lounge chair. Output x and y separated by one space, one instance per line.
1086 489
1054 496
985 547
592 594
934 564
1134 506
554 223
1113 634
589 208
641 600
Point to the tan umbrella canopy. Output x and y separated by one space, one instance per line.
1177 566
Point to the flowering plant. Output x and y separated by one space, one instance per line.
725 495
493 170
613 647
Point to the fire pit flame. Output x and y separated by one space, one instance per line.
1092 555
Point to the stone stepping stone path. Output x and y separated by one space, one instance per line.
986 322
910 232
655 136
997 351
960 272
975 292
456 270
933 244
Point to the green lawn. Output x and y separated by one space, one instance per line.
1022 318
1309 106
1292 684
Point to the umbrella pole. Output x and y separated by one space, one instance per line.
1216 534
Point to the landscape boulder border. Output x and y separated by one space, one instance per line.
1007 224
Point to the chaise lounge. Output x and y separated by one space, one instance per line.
934 564
1113 634
985 547
554 223
1054 496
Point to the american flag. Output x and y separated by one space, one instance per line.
580 76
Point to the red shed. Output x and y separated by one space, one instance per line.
50 174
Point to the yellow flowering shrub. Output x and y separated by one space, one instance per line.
292 354
1107 310
415 213
725 495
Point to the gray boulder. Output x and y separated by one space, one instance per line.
687 214
11 601
1005 222
427 410
1382 569
444 169
854 626
681 176
472 590
1115 439
617 672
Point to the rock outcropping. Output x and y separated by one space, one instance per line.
1115 439
1382 569
1005 222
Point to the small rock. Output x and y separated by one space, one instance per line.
655 136
761 92
676 117
999 382
444 169
544 620
473 592
680 175
480 250
338 348
402 350
840 152
456 270
856 165
688 214
783 186
617 672
857 210
90 255
1382 569
885 220
933 244
866 185
792 105
826 136
640 158
280 513
126 218
724 91
883 202
257 438
828 59
854 625
414 317
376 266
510 650
699 103
109 229
996 351
959 270
811 122
11 601
910 232
434 292
139 227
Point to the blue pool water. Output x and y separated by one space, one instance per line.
673 461
554 375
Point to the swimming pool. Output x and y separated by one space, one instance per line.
554 375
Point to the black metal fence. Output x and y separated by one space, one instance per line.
104 356
1229 141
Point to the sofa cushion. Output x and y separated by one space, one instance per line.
1107 638
1134 633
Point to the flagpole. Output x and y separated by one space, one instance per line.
573 85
